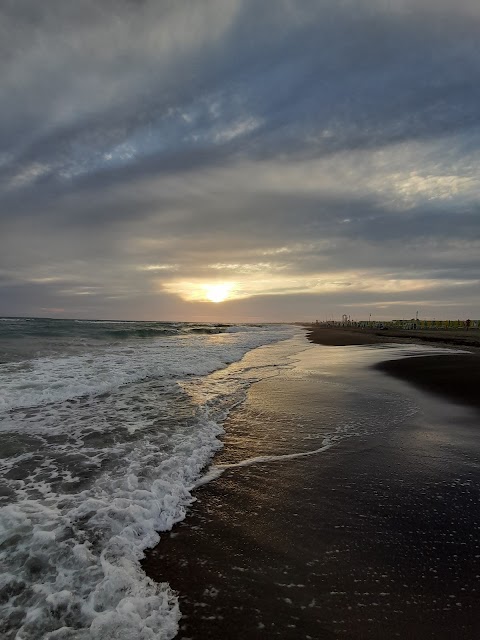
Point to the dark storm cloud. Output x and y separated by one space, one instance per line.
297 138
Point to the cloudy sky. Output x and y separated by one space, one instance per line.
300 158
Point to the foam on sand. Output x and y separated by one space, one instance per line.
93 478
86 548
216 471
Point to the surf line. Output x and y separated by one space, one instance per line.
217 470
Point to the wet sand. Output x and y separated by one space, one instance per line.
375 538
456 377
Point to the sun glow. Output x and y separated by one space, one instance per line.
218 292
252 284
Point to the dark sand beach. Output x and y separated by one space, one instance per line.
451 376
375 537
338 336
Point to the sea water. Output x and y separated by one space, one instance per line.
105 428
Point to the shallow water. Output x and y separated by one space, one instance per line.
101 444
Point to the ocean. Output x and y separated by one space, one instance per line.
106 427
106 430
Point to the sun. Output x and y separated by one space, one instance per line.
218 292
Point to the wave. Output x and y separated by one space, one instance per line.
56 379
107 331
142 333
87 548
93 480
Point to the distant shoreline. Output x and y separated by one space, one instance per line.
343 336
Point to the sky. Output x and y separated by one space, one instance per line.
240 160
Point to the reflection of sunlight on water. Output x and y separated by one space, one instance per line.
307 400
332 361
347 383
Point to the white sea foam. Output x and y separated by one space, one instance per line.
56 379
86 548
92 479
216 471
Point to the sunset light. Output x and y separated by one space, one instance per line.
239 319
218 292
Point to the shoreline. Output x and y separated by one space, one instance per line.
452 376
371 539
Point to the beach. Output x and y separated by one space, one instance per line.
186 480
339 335
344 503
453 376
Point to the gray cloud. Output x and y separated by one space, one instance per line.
149 143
